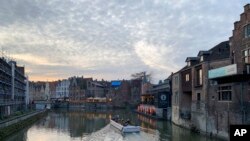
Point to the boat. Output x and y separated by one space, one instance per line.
125 128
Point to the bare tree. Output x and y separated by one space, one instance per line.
144 76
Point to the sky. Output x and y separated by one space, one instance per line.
111 39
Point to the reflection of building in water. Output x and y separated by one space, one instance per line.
75 123
147 122
156 99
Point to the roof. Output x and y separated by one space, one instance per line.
192 59
203 52
115 83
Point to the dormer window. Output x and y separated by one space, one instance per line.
247 31
188 63
202 58
187 77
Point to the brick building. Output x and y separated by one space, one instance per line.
213 90
229 100
191 88
125 93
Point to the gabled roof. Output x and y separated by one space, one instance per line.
203 52
192 59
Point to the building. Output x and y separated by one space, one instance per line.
52 89
62 89
95 89
13 90
135 97
37 90
156 100
77 89
119 93
229 99
191 88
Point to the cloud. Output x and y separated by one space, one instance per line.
156 56
111 39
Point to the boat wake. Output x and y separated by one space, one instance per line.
109 134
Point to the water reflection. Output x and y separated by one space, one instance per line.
64 125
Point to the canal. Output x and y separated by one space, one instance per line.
80 125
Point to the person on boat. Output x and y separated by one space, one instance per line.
116 118
127 122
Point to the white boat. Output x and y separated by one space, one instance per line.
125 129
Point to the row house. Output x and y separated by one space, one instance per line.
62 89
52 89
119 93
229 99
125 93
13 87
212 91
191 88
37 90
95 89
78 88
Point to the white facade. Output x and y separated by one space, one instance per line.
62 89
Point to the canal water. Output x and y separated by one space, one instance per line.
81 125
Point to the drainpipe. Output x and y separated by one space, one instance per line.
206 101
241 103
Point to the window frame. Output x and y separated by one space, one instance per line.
246 55
224 93
247 31
187 77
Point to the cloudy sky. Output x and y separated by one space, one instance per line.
111 39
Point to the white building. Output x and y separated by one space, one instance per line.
62 89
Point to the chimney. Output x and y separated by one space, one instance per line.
236 25
246 7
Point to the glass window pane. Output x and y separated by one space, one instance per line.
245 53
246 60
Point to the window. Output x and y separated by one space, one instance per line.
246 55
247 30
198 96
199 76
188 63
187 77
176 80
202 58
225 93
176 97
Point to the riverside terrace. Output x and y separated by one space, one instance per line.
156 101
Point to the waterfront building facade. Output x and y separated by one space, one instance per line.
191 88
119 93
13 90
62 89
37 90
95 89
156 100
230 97
77 89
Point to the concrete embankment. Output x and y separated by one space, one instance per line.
10 126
